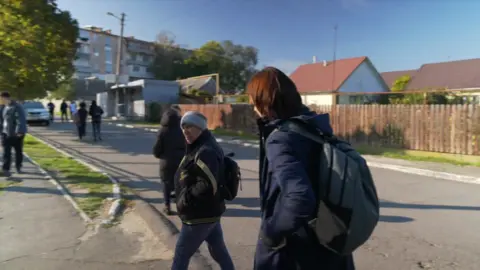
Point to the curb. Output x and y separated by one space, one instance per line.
398 168
115 207
60 187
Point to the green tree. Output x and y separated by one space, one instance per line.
66 91
170 59
37 48
399 86
235 63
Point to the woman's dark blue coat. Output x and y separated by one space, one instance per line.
288 202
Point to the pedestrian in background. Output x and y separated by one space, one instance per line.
287 198
169 149
51 110
13 129
81 120
96 113
73 109
63 110
200 204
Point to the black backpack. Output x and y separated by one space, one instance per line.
228 186
232 178
348 207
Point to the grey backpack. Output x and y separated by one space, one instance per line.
348 207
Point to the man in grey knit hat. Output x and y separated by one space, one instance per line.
200 204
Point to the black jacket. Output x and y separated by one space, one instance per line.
170 145
288 201
63 107
196 182
96 113
82 115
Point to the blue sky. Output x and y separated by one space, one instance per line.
394 34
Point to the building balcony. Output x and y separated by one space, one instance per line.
82 40
136 48
139 72
138 62
83 68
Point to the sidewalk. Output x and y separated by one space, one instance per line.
40 230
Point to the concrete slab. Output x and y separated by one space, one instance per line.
39 229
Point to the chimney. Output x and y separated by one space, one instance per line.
314 59
324 63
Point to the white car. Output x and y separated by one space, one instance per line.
36 112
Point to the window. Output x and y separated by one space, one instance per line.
94 36
136 68
95 52
108 57
108 41
146 58
108 68
133 56
84 35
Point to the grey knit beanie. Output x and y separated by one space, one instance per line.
195 119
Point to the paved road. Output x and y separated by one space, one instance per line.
40 230
426 223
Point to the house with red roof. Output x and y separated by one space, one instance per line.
318 82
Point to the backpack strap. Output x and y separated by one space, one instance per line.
206 170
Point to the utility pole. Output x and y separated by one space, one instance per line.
334 95
334 54
119 60
120 49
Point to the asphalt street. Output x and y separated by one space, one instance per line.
425 224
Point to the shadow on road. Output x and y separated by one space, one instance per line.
388 204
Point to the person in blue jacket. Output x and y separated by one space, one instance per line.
287 199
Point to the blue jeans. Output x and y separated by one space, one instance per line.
190 239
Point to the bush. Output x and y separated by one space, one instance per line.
242 99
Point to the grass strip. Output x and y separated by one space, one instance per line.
5 184
413 155
88 188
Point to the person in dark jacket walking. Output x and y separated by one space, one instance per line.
13 127
96 113
200 204
63 111
81 117
169 149
287 199
51 110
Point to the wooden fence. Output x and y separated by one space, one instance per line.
439 128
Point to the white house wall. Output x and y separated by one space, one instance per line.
317 99
363 79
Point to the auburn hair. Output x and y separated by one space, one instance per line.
274 94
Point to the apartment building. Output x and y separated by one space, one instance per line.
97 56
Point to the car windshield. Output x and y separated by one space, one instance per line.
33 105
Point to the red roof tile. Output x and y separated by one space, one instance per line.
459 74
317 78
392 76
